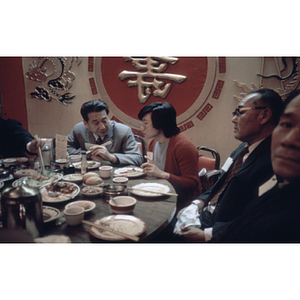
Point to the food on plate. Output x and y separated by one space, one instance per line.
128 171
87 175
90 190
61 187
94 180
37 180
74 177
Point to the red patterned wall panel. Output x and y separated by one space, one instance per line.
204 111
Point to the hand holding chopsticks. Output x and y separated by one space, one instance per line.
104 144
40 154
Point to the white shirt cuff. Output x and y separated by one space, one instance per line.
208 232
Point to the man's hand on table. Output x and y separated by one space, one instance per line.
193 234
101 153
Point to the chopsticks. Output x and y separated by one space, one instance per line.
40 156
129 236
154 192
104 144
131 173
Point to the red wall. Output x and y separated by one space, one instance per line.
13 89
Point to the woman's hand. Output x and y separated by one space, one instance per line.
150 167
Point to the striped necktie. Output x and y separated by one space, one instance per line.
236 166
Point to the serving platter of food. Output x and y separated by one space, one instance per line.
59 191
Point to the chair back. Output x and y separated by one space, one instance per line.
141 144
211 165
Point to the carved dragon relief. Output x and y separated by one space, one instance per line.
55 77
287 82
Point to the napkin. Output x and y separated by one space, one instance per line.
53 239
188 217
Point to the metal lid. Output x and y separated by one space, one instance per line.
21 191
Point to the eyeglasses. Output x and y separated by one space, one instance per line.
242 110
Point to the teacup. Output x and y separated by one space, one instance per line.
74 215
105 171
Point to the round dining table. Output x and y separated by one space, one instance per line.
157 212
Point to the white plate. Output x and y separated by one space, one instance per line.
87 205
128 224
73 177
126 172
36 183
50 213
99 189
61 196
91 164
148 187
24 172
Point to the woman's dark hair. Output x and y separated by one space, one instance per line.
92 106
163 117
272 100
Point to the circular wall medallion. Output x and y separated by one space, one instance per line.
187 96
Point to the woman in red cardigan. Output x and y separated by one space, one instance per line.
175 157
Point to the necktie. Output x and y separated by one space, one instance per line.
236 166
99 140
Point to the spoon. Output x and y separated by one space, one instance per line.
52 194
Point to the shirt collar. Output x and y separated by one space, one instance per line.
251 149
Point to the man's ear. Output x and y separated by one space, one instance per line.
85 124
266 115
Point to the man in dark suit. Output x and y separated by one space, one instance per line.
97 128
254 120
15 141
273 216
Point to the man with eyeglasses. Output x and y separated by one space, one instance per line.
273 216
247 168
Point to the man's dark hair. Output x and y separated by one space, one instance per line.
163 117
92 106
290 97
272 100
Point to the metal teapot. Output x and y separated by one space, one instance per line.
22 209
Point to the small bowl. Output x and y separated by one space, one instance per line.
74 215
114 190
122 180
9 162
122 204
105 171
